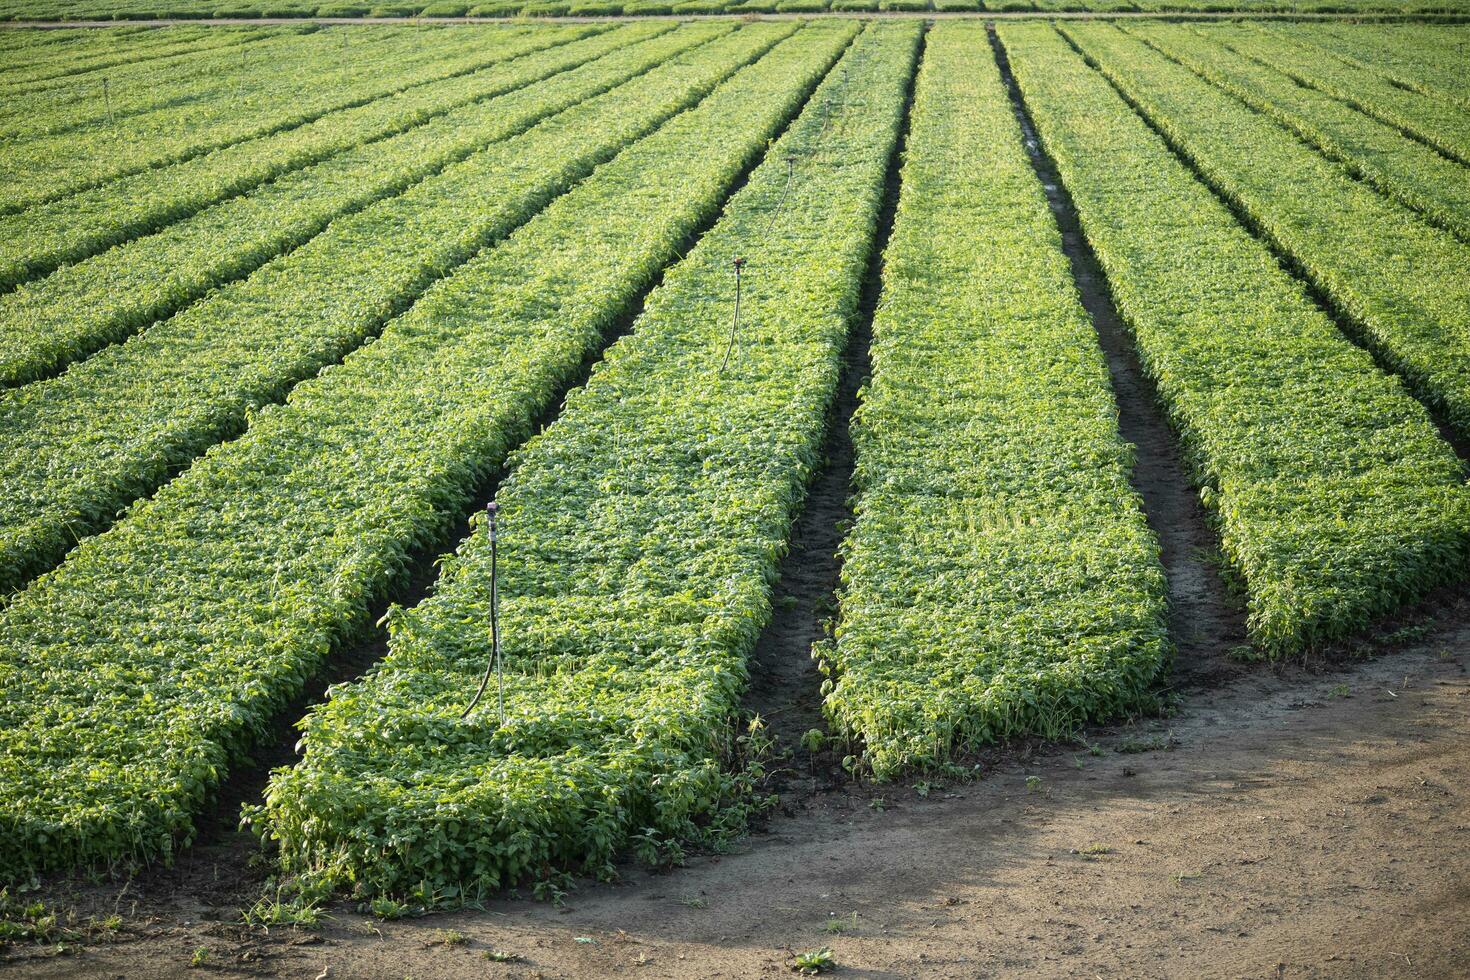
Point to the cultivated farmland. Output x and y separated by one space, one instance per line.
779 423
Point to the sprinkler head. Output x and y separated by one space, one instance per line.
739 263
491 508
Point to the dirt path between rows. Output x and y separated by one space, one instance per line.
1297 822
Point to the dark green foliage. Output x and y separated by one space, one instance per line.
46 324
1334 496
642 532
1000 578
161 648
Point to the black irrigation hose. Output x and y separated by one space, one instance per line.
735 323
790 159
790 164
494 664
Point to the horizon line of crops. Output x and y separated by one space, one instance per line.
1403 65
50 323
80 108
100 53
167 114
142 666
54 41
68 66
38 240
1437 125
999 577
123 10
49 163
1333 495
1399 283
77 449
87 109
70 164
1402 168
643 532
223 73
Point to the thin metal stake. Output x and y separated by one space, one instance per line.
734 323
107 99
495 663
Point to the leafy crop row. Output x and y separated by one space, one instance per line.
80 308
1334 497
1000 577
1400 282
26 49
1437 123
47 168
137 668
31 53
104 51
41 238
642 534
75 449
1429 60
176 85
23 49
1396 165
138 9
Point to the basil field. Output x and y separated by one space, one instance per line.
462 454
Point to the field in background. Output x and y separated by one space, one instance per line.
86 10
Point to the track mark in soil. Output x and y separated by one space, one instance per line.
785 685
1204 619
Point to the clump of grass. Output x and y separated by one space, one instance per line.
275 912
30 922
387 908
1145 743
502 956
837 926
1405 635
814 961
290 905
